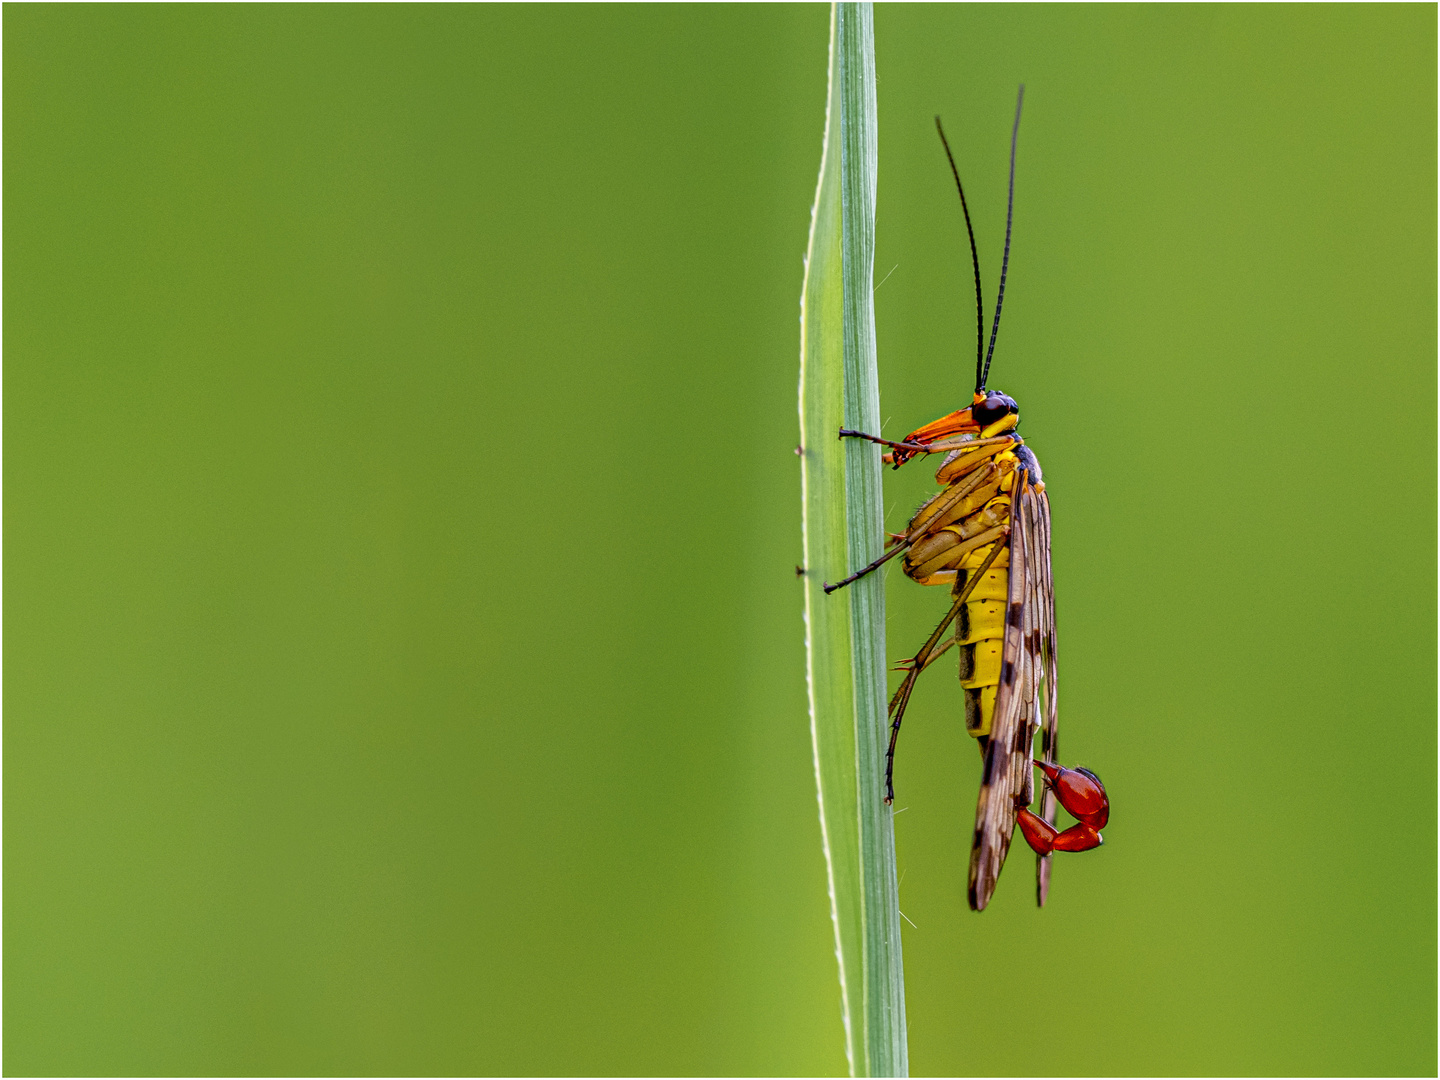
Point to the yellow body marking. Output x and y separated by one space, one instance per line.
953 533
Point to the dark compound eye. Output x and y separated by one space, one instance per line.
994 407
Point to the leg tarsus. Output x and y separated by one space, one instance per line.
914 448
914 666
881 561
920 661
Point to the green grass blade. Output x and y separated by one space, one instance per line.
843 524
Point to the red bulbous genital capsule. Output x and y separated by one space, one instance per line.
1039 833
1081 793
1043 839
1080 837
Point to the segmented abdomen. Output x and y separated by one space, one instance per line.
957 528
980 633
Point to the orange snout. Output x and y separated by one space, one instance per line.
959 422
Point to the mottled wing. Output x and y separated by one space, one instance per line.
1046 701
1007 769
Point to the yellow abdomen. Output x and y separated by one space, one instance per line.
954 532
980 633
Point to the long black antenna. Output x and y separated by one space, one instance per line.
1009 217
974 258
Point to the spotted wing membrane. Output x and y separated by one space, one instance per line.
1027 666
1047 702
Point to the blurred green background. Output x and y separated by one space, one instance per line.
404 653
